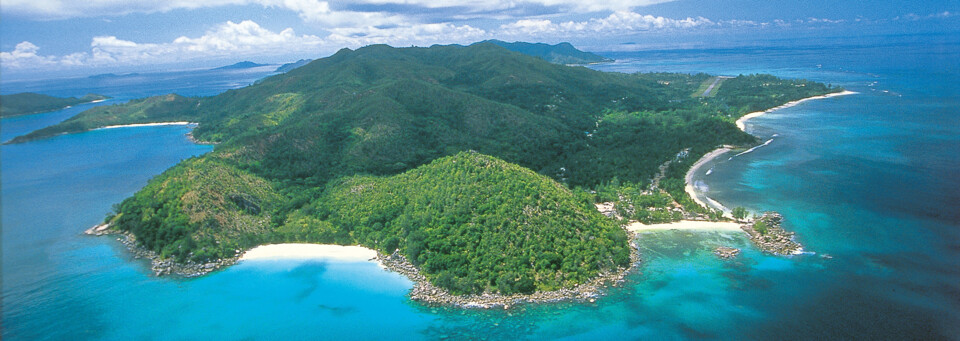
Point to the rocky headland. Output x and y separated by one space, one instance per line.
428 293
765 231
161 267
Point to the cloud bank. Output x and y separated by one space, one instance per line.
334 25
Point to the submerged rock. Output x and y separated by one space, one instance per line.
726 252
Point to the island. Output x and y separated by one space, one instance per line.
26 103
474 170
240 66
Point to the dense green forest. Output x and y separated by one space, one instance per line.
392 122
472 222
30 103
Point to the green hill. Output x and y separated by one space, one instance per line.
199 210
30 103
295 149
562 53
473 223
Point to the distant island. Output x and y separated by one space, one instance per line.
31 103
474 170
240 65
562 53
290 66
113 75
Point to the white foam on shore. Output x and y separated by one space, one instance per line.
689 188
693 191
148 125
741 122
752 149
296 251
695 225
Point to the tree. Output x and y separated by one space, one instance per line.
739 213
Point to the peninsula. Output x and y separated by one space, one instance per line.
26 103
473 169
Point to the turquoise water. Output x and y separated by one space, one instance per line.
870 180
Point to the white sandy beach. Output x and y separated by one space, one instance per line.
149 125
688 178
685 225
741 122
692 191
337 253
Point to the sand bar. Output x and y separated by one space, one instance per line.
741 122
337 253
686 225
148 125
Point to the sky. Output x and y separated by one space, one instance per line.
94 36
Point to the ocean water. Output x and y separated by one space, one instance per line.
869 182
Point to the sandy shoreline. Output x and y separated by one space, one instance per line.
327 252
688 178
147 125
686 225
741 123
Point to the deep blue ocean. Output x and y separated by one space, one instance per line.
869 182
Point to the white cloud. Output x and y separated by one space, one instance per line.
310 10
245 38
419 34
236 40
25 55
620 22
315 11
566 6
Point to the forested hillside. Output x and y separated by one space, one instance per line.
329 152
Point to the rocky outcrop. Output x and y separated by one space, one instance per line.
766 233
724 252
161 266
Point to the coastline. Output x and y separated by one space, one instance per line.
687 225
741 122
428 293
422 290
688 178
181 123
339 253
